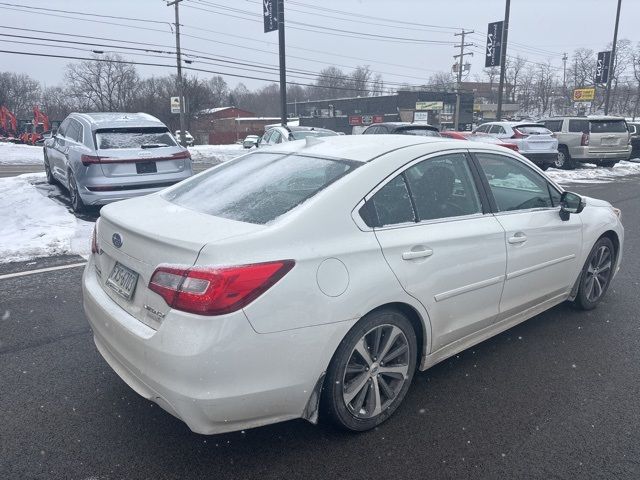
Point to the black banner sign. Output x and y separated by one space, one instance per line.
494 45
270 12
602 67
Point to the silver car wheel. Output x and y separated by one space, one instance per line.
559 163
598 273
376 371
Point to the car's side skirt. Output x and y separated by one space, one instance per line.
490 331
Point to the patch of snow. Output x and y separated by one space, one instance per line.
33 225
15 154
216 153
588 173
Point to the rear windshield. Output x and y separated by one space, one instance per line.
258 187
302 134
422 132
110 138
608 126
533 129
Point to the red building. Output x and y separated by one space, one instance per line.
217 125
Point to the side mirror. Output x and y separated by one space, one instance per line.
570 203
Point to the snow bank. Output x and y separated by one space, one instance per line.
216 153
33 225
14 154
588 173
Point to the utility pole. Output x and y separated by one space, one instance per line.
183 140
564 83
283 68
460 57
503 60
612 60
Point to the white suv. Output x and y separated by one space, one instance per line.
534 141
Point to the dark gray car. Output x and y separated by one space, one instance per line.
105 157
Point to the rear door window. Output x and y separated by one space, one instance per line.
391 205
497 129
259 187
608 126
114 138
553 125
579 126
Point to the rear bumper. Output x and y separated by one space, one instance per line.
546 158
589 154
215 374
122 190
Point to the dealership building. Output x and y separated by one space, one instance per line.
352 115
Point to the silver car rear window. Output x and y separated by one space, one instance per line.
113 138
302 134
259 187
608 126
533 129
421 132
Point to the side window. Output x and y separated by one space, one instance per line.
276 137
514 185
553 125
390 205
482 129
578 126
62 129
498 129
77 131
443 187
266 137
371 131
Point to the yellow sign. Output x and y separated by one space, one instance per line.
584 94
429 105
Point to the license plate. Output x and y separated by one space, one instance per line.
146 167
123 280
609 141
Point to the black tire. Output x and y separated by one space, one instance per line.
544 166
375 330
564 161
596 274
47 170
76 201
608 164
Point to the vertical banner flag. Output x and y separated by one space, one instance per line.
494 45
602 67
270 12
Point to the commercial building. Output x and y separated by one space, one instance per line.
351 115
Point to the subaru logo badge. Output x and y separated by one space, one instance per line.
117 240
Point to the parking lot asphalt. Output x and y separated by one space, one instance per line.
556 397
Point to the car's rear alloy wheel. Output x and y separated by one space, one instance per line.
76 201
596 274
564 160
371 371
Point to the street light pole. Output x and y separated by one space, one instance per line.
183 140
283 68
503 60
612 60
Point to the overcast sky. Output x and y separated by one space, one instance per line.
550 27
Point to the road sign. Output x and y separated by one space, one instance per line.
494 45
270 13
175 104
429 105
357 120
584 94
421 117
602 67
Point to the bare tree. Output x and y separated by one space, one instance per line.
19 93
102 84
441 82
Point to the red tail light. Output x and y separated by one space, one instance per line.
584 141
518 134
181 155
511 146
89 160
216 290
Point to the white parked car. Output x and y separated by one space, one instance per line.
187 138
250 141
534 140
318 275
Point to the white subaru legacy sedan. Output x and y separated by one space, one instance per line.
311 279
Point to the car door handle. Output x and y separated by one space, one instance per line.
517 238
413 254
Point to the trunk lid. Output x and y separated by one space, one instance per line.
127 162
608 135
150 231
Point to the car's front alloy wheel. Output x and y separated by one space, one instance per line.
371 371
596 274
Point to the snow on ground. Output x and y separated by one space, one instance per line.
33 225
216 153
14 154
588 173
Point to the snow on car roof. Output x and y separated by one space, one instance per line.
363 148
119 120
